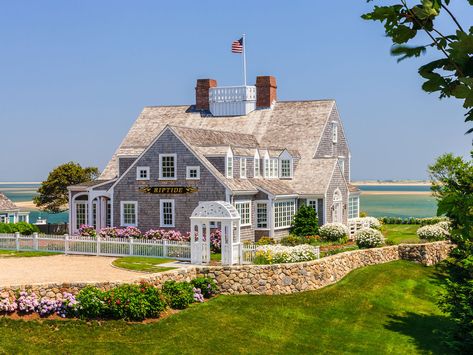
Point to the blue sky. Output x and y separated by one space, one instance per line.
74 75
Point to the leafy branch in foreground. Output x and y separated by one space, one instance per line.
451 74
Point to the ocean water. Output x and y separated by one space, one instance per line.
389 205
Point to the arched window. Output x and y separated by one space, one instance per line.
337 195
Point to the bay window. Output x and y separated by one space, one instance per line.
283 213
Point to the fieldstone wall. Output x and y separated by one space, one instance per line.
268 279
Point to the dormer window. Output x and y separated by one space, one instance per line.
142 173
334 132
256 165
266 167
273 168
229 165
286 168
243 168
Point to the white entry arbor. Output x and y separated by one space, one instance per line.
215 215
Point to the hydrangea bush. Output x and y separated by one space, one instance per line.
370 222
30 303
369 238
333 232
275 254
433 232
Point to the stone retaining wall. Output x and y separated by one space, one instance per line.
270 279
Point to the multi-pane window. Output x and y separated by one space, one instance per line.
261 215
167 166
21 218
283 213
229 167
256 172
81 214
94 214
273 167
353 207
243 167
286 168
244 210
167 213
341 163
334 132
193 172
313 204
266 168
128 213
108 220
142 173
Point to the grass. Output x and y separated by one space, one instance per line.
388 308
401 233
137 263
24 254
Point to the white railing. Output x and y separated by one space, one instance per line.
97 246
232 93
248 253
355 225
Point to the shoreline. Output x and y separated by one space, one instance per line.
390 183
404 193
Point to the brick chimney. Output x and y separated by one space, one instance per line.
265 91
202 93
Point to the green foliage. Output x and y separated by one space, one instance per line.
452 184
179 294
292 240
53 193
134 302
21 227
305 222
413 220
91 303
265 241
452 74
206 285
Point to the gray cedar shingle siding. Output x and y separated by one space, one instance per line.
124 163
148 204
218 163
337 181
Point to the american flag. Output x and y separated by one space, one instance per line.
237 46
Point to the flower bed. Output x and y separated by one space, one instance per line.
275 254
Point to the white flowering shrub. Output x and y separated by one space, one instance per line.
432 233
369 238
370 222
333 232
444 225
276 254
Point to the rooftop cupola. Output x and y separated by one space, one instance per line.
232 100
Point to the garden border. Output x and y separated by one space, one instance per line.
267 279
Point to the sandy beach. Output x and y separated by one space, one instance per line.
27 205
391 183
422 193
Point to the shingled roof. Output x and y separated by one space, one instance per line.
294 125
6 204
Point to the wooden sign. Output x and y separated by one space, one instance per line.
177 190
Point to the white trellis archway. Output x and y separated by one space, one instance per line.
220 215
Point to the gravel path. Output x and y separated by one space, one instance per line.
60 269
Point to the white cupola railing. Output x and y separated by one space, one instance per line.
232 100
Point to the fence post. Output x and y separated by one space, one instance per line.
165 248
66 243
130 240
17 241
98 245
35 241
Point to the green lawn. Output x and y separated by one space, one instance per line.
137 263
401 233
24 254
379 309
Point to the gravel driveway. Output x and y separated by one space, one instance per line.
60 269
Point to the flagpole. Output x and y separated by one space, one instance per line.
244 58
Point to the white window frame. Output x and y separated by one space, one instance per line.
316 200
139 169
188 172
122 213
341 164
243 167
239 203
273 168
161 156
334 132
256 167
86 213
289 220
229 166
161 213
267 215
351 205
281 169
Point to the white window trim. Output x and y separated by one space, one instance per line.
334 132
122 215
161 213
290 168
161 156
139 169
316 204
229 174
189 168
243 172
274 213
268 219
256 167
249 204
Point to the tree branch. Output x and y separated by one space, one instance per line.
453 17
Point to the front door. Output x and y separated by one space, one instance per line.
337 212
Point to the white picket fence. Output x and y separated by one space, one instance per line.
355 225
248 253
96 246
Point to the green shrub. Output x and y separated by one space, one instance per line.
91 303
207 286
413 220
265 241
21 227
134 302
6 228
292 241
179 295
305 222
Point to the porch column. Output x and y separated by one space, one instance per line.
89 212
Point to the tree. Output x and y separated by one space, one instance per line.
452 76
305 222
452 73
53 193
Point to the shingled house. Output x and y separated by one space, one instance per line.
236 144
10 213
